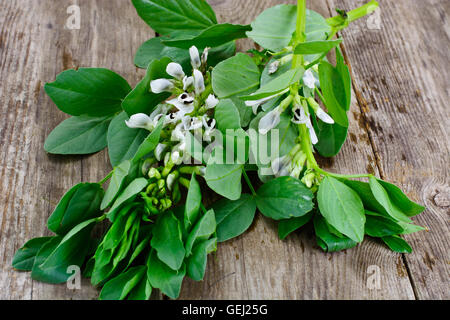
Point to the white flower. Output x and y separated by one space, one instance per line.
182 107
312 133
205 55
140 120
209 124
256 103
300 116
211 101
179 133
187 82
324 116
185 98
269 121
195 124
199 82
175 70
273 67
173 117
171 178
176 158
159 151
195 57
161 85
309 80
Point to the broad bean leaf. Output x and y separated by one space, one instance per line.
167 240
142 99
377 226
277 85
342 208
116 183
225 179
397 244
227 116
284 198
88 91
287 226
328 241
213 36
314 47
193 203
196 263
79 204
274 27
119 287
331 137
383 198
123 141
130 192
142 291
173 16
233 218
150 143
24 258
78 135
203 229
164 278
400 200
344 72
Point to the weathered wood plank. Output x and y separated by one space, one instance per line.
401 75
259 266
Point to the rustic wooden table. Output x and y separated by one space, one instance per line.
399 130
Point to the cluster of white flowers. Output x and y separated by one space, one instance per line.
185 111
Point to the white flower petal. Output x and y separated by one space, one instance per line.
159 151
140 120
187 82
300 116
199 82
273 67
195 57
175 70
161 85
269 121
171 180
312 132
324 116
184 108
178 134
309 80
256 103
211 101
205 55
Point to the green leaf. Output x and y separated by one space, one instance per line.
162 277
383 198
331 84
142 99
154 49
25 256
116 183
203 229
409 228
79 204
381 226
400 200
133 189
167 240
196 263
78 135
142 291
273 28
193 203
284 198
55 256
235 76
227 116
174 16
327 240
314 47
225 179
233 218
331 137
88 91
150 142
344 72
364 192
397 244
277 85
123 141
342 208
119 287
212 36
287 226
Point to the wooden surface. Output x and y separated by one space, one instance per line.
398 130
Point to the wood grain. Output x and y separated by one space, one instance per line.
400 68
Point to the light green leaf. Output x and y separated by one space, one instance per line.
400 200
227 116
314 47
203 229
225 179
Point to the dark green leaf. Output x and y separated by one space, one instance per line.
78 135
193 203
287 226
133 189
331 137
284 198
119 287
25 256
397 244
203 229
342 208
400 200
327 240
150 142
196 263
116 183
79 204
142 291
381 226
233 218
88 91
344 72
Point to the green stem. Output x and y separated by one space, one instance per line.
298 60
339 22
107 177
249 183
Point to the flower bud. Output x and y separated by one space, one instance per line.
140 120
161 85
211 101
175 70
195 57
199 82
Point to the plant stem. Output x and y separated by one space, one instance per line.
106 178
249 183
298 60
339 22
